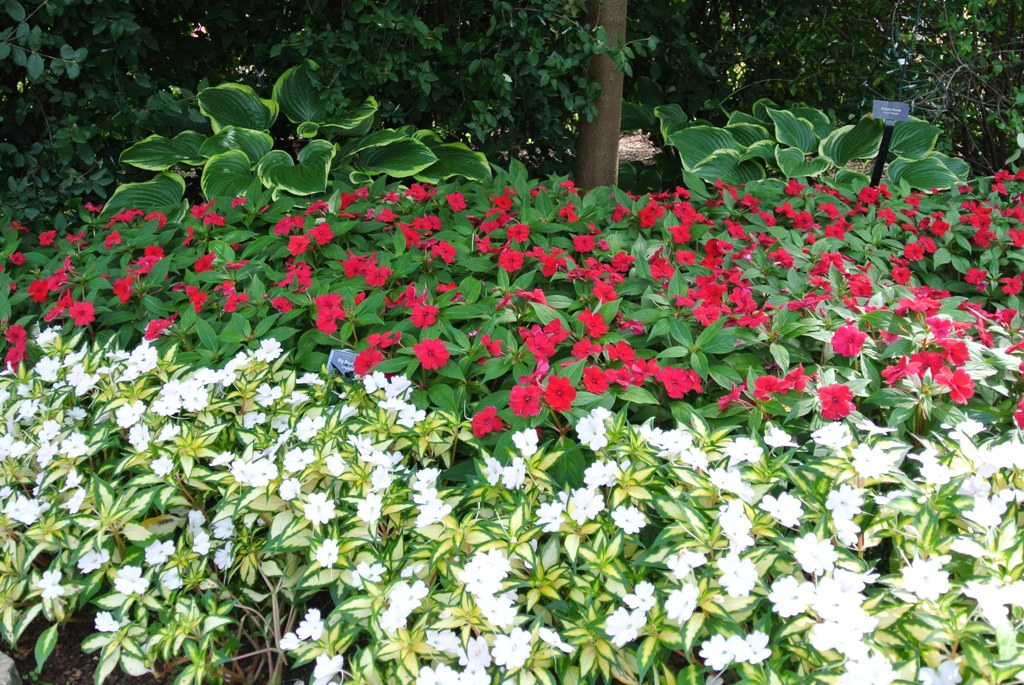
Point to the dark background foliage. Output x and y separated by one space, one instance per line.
80 80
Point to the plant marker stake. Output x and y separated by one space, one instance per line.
890 113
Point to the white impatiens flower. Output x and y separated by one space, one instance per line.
833 435
742 450
681 603
158 552
513 475
874 669
106 623
586 505
266 394
785 509
683 563
130 581
790 596
629 519
624 625
319 508
642 597
511 651
369 508
49 585
327 553
289 489
926 579
270 350
716 653
311 627
526 441
365 571
171 579
591 429
775 437
492 470
739 576
549 516
90 561
873 461
162 466
814 556
948 673
554 639
326 668
127 415
403 600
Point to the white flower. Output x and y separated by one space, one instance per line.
296 460
591 429
735 524
128 415
776 437
629 519
600 474
475 659
624 625
371 573
106 623
874 669
791 597
642 597
25 510
267 395
327 553
492 470
74 503
130 581
171 579
844 503
162 466
785 509
319 508
814 556
49 585
742 450
326 668
731 480
586 503
716 653
270 350
90 561
200 542
223 557
513 475
484 573
873 461
554 639
290 642
948 673
139 436
684 562
159 552
549 516
739 576
290 489
526 441
926 579
311 627
833 435
511 651
681 603
404 599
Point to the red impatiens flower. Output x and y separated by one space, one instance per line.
596 326
559 393
487 421
204 263
156 327
298 244
595 380
848 340
123 288
82 313
424 315
431 352
1018 415
525 400
959 384
836 401
367 359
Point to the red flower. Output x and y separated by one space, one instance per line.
431 352
595 380
678 382
596 327
525 400
366 360
123 288
1018 415
298 244
836 401
510 260
82 313
38 290
848 340
959 384
519 233
156 327
321 233
487 421
424 315
559 393
204 263
281 304
456 201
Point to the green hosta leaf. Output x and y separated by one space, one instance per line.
157 153
760 110
848 178
793 131
959 168
297 94
278 171
233 104
255 144
401 158
743 118
855 141
226 175
455 159
819 120
913 138
697 143
355 123
728 166
671 118
794 164
637 118
762 149
162 192
376 139
748 134
927 173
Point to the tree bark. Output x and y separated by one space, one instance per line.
597 143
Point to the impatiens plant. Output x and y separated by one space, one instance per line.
221 522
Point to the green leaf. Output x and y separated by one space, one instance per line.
848 178
355 123
162 192
15 10
455 159
748 134
401 158
913 138
34 66
792 163
820 122
277 170
793 131
855 141
671 118
637 118
255 144
297 94
234 104
697 143
226 175
926 173
157 153
763 150
45 643
728 166
109 657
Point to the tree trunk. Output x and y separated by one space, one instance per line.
597 144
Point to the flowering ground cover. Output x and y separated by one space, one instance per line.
764 434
